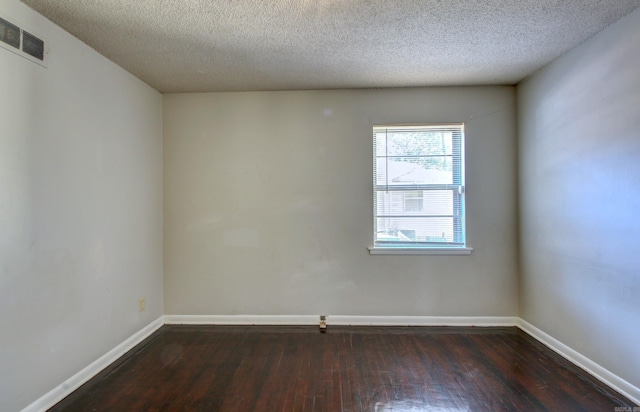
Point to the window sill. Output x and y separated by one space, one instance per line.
466 251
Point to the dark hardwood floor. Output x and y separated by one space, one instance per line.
218 368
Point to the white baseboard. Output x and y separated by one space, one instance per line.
241 320
63 390
340 320
614 381
422 320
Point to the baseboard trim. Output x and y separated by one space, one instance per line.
610 379
480 321
340 320
63 390
241 320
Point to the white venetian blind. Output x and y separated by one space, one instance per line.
418 186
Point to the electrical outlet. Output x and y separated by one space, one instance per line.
141 304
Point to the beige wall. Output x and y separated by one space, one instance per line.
268 205
579 134
80 210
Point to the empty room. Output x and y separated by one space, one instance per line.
320 205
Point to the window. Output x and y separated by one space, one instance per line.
413 201
418 188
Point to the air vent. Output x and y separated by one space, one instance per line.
21 42
32 45
9 33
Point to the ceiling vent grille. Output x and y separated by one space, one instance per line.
21 42
32 45
9 33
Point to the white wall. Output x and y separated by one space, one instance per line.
579 156
268 205
80 210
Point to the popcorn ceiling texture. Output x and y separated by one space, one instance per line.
235 45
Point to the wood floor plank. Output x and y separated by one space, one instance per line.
346 369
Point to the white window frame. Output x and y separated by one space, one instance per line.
458 246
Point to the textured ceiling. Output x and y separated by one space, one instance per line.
232 45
